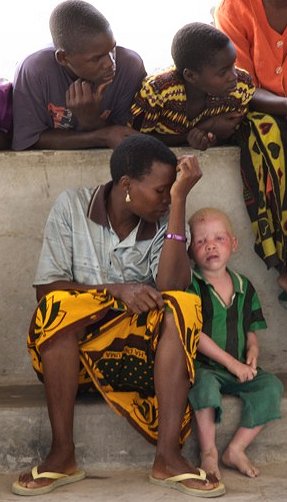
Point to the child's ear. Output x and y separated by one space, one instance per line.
190 75
61 57
189 251
234 244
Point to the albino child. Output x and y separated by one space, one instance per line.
231 315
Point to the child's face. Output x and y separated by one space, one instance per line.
96 61
220 78
212 244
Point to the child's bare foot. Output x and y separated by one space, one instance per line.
209 462
237 459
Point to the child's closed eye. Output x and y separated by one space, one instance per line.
198 242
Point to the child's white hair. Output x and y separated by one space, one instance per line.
210 212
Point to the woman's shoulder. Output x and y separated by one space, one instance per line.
73 198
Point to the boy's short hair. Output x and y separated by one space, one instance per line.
210 212
195 46
135 155
73 22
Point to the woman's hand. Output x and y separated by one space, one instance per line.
137 297
188 174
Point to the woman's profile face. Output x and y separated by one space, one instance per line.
150 196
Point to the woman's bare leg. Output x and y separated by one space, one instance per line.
60 358
171 386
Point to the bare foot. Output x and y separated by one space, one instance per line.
209 462
61 463
237 459
166 467
282 281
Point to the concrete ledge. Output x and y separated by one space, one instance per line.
30 182
102 438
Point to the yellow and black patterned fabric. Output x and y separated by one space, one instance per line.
117 349
160 105
263 142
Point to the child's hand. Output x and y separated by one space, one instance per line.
199 139
85 103
252 349
252 356
242 371
222 126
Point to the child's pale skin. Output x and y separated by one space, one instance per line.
212 247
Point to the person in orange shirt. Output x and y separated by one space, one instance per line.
258 30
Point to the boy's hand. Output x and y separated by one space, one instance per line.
84 102
252 349
252 356
115 134
242 371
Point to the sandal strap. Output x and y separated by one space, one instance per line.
49 475
188 475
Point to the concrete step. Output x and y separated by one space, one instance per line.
132 484
104 439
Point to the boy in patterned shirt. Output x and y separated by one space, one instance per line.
231 315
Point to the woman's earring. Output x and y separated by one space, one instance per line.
128 198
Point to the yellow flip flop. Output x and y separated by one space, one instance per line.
59 480
176 482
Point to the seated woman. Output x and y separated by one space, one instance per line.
5 114
202 101
106 318
258 30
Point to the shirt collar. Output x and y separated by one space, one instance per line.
98 214
235 277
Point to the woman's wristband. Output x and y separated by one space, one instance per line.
175 237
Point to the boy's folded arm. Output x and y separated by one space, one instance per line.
252 349
210 349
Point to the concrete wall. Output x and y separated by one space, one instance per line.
30 182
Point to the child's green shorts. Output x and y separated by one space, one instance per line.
261 396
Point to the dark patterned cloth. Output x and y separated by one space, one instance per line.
263 142
160 105
117 349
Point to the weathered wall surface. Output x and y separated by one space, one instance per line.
30 182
